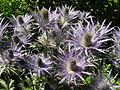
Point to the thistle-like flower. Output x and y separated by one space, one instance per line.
72 66
103 82
22 29
22 24
10 56
22 39
67 17
68 13
37 63
89 38
43 20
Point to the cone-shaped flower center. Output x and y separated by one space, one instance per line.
16 39
20 19
71 65
61 21
66 11
11 56
87 40
1 44
39 63
44 14
97 27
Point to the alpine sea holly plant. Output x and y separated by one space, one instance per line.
61 49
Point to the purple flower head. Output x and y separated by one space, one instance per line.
13 53
10 56
43 19
21 39
22 24
22 29
42 64
72 66
38 63
103 82
90 37
67 17
68 12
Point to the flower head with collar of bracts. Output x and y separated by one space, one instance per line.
38 64
45 19
67 16
90 37
22 29
72 66
103 82
22 24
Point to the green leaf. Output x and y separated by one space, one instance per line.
3 84
11 83
1 70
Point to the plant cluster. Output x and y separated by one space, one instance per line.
64 49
